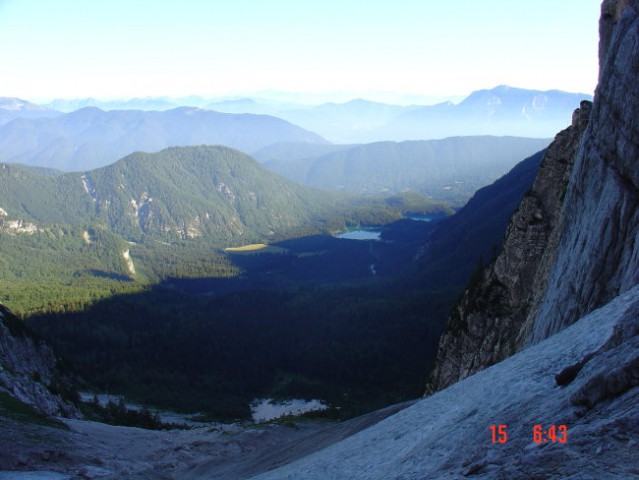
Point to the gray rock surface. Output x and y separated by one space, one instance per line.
599 249
28 367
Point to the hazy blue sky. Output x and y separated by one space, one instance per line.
378 49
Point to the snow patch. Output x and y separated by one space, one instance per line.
267 409
539 102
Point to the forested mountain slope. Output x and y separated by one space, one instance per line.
181 192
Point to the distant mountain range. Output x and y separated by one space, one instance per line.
451 169
12 108
502 110
357 121
90 138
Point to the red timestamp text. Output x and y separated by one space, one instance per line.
552 434
499 433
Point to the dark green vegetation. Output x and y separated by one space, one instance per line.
192 327
313 322
450 170
57 270
179 193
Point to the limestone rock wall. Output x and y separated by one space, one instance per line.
599 248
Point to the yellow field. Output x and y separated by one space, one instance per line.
256 248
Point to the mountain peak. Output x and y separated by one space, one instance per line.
12 103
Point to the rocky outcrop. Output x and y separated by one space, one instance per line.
28 368
573 245
484 328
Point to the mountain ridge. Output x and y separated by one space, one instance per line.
533 113
577 370
12 108
502 110
450 169
90 137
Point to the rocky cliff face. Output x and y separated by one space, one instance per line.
572 245
28 369
484 327
598 255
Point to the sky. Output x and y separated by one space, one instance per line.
384 50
